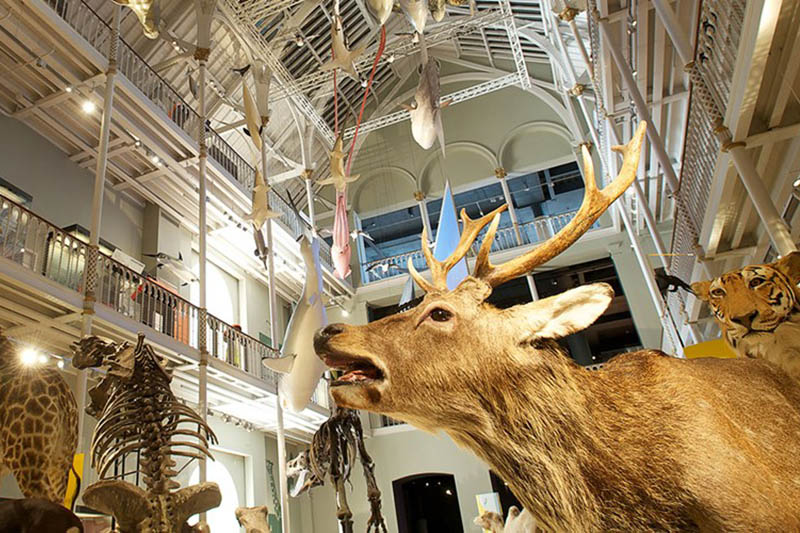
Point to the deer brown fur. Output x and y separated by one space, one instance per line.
648 443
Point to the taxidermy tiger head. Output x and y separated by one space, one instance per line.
751 303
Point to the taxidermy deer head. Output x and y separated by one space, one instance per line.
453 340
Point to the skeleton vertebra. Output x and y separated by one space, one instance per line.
141 414
648 443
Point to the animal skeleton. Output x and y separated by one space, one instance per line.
649 442
141 414
333 449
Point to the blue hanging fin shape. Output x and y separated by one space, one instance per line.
447 237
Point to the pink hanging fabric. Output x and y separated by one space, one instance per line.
340 251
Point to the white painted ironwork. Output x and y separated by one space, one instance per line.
456 97
516 47
284 78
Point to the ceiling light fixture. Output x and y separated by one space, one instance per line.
29 356
60 364
88 106
68 89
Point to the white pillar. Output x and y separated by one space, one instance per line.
312 214
501 174
419 196
97 216
283 483
201 54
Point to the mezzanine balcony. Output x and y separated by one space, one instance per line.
43 269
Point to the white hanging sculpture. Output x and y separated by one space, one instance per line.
342 57
380 9
261 211
149 14
300 364
426 110
416 12
338 177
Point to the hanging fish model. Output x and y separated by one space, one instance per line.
261 211
176 266
380 9
338 178
342 57
300 365
416 12
437 9
149 14
426 111
340 249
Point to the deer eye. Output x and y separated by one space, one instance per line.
440 315
756 282
718 293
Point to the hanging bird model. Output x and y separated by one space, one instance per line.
342 57
261 211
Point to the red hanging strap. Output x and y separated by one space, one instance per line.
381 46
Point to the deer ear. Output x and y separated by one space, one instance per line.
565 313
789 265
700 289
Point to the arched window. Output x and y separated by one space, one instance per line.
222 518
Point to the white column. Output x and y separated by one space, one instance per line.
97 215
283 483
419 196
312 213
501 174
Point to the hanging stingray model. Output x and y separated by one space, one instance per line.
261 211
149 14
340 249
342 57
416 12
426 111
300 364
338 177
380 9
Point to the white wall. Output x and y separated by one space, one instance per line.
62 191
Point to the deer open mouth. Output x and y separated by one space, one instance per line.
353 370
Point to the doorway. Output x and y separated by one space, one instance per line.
427 503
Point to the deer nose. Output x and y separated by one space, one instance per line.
745 320
322 336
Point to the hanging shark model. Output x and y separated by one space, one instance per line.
340 249
300 365
251 116
416 12
338 178
175 266
380 9
261 211
342 57
149 14
426 111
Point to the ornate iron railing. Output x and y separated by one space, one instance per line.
505 239
40 247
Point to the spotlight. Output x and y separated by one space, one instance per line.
42 359
68 89
299 42
345 312
796 183
390 59
29 356
60 364
364 83
88 106
156 161
137 143
448 492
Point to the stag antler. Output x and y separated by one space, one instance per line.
595 203
439 269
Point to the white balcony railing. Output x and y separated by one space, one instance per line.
40 247
86 22
505 239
